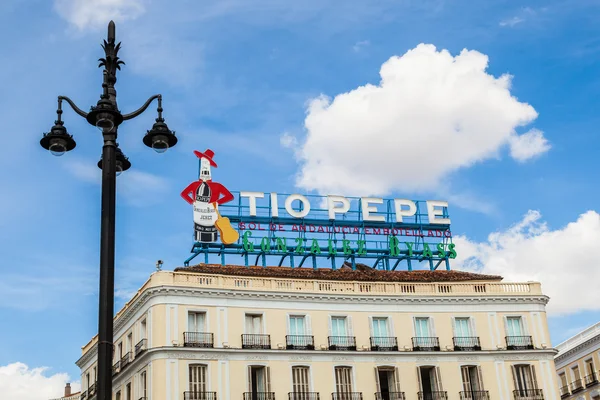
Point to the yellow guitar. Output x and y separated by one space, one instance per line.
223 225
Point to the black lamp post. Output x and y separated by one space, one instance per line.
106 116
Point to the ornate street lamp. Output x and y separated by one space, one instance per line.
105 115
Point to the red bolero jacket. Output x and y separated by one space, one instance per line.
217 190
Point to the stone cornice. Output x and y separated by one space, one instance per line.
576 352
157 291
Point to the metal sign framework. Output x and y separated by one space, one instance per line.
285 237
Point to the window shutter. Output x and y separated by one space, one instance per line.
288 327
249 378
533 377
480 376
330 329
391 326
377 379
524 325
268 378
514 374
472 326
371 328
453 326
506 333
397 379
350 327
431 327
438 379
419 379
308 325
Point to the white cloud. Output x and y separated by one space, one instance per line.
92 14
18 381
430 115
564 260
288 141
511 22
358 46
528 145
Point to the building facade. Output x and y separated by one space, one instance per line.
252 333
577 365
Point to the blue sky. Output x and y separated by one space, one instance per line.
247 79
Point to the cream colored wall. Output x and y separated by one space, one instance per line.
580 362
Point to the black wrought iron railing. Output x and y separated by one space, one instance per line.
591 379
141 347
300 342
92 389
576 386
528 394
346 396
342 343
259 395
384 344
564 391
256 341
435 395
426 344
83 395
125 360
143 398
115 368
198 339
475 395
390 396
466 343
519 343
303 396
198 395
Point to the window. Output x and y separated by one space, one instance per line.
589 365
343 381
143 384
87 379
462 327
575 372
95 375
300 380
129 342
472 381
339 326
524 379
339 335
422 328
196 322
254 324
120 351
128 392
514 326
197 378
118 395
380 327
297 325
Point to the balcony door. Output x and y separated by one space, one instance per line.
429 381
423 332
387 383
472 382
524 379
343 382
196 322
380 332
514 326
260 383
297 330
197 381
254 325
300 383
339 331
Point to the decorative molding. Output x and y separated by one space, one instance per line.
580 348
256 357
468 358
301 358
427 358
342 358
385 359
191 355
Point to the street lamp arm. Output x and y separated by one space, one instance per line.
142 108
73 106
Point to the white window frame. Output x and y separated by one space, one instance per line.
310 376
471 324
349 328
430 323
206 363
390 325
352 374
263 318
307 322
197 310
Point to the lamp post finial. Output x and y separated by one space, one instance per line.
111 31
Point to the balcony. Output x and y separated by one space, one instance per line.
528 394
591 380
143 398
564 392
125 360
198 339
389 396
92 389
116 367
576 386
303 396
466 343
426 344
256 341
475 395
437 395
346 396
519 343
83 395
200 395
300 342
342 343
141 347
259 395
384 344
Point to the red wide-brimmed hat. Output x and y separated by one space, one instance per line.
208 154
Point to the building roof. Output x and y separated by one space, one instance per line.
346 273
580 338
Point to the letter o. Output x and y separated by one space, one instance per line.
297 214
